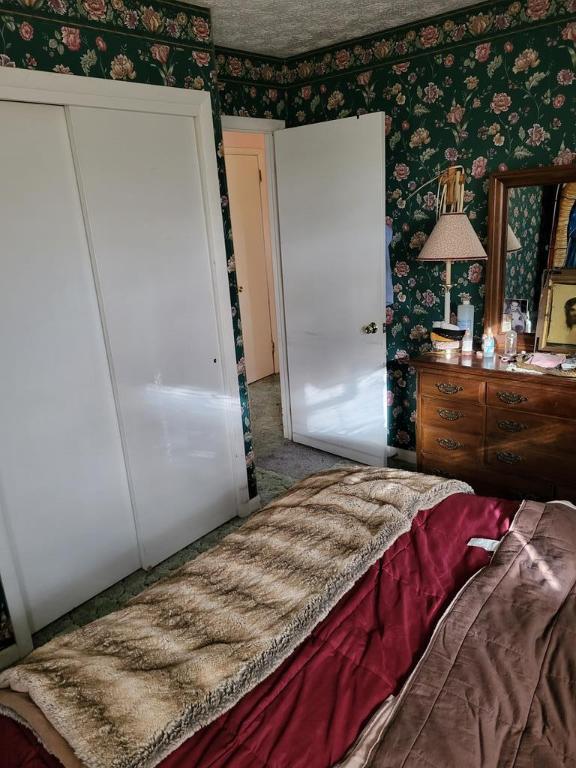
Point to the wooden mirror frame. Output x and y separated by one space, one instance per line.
500 183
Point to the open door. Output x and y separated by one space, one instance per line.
331 203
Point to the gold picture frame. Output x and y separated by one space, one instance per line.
556 329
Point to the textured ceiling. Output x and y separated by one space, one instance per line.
289 27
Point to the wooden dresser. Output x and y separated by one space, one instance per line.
507 434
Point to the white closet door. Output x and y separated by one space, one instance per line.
63 486
141 183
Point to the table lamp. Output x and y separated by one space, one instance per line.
453 237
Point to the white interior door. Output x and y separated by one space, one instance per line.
331 197
140 177
246 211
63 487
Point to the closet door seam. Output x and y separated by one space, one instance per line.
105 334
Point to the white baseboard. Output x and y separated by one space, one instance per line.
361 457
408 456
252 505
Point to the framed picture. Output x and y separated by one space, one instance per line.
557 314
562 252
517 311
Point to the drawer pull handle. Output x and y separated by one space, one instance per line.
440 472
511 426
511 398
449 415
449 389
507 457
448 443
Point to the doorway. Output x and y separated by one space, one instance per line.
249 192
281 404
246 171
250 170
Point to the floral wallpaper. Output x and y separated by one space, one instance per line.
491 87
250 85
524 267
490 20
501 95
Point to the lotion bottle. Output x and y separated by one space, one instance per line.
510 343
467 343
488 344
466 314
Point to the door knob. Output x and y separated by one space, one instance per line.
370 328
240 288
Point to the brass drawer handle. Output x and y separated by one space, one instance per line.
436 471
449 415
448 443
511 426
507 457
449 389
511 398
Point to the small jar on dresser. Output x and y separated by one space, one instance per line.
507 434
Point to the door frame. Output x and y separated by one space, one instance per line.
268 128
260 155
51 88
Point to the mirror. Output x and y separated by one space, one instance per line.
528 232
532 227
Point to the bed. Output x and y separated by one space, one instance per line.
338 695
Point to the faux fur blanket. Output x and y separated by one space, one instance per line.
129 688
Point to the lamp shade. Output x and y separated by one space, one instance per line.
512 242
452 239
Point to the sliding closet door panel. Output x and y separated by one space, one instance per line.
62 478
141 184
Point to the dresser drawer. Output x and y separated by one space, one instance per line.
455 417
525 460
528 430
514 487
457 388
489 483
448 466
530 397
456 445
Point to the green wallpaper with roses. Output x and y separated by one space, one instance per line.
251 85
491 87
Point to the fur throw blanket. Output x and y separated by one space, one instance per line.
129 688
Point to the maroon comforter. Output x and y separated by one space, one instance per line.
496 686
309 712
